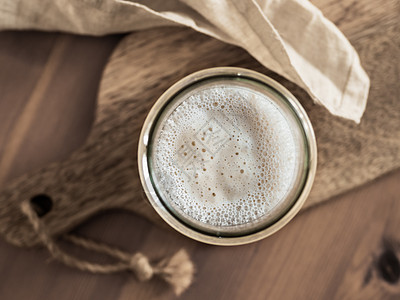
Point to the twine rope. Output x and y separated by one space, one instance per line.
177 270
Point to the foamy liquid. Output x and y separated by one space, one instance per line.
225 156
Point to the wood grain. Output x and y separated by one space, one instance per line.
44 97
333 251
102 174
24 56
325 253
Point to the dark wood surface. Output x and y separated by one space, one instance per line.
340 250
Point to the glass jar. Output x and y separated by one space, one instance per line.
171 165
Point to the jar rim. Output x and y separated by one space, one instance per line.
146 137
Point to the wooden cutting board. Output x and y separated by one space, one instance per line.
103 174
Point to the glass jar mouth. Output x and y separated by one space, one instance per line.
235 233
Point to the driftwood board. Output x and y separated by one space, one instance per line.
102 174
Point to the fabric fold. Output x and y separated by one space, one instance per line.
290 37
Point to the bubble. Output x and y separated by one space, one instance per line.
224 128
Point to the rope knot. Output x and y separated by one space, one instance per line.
177 270
141 266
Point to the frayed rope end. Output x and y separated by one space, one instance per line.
177 270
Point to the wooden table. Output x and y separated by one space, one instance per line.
334 251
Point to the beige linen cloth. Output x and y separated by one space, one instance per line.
290 37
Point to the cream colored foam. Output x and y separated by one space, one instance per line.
225 156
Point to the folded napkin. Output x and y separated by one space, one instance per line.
290 37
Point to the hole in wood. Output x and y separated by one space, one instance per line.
42 204
389 266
